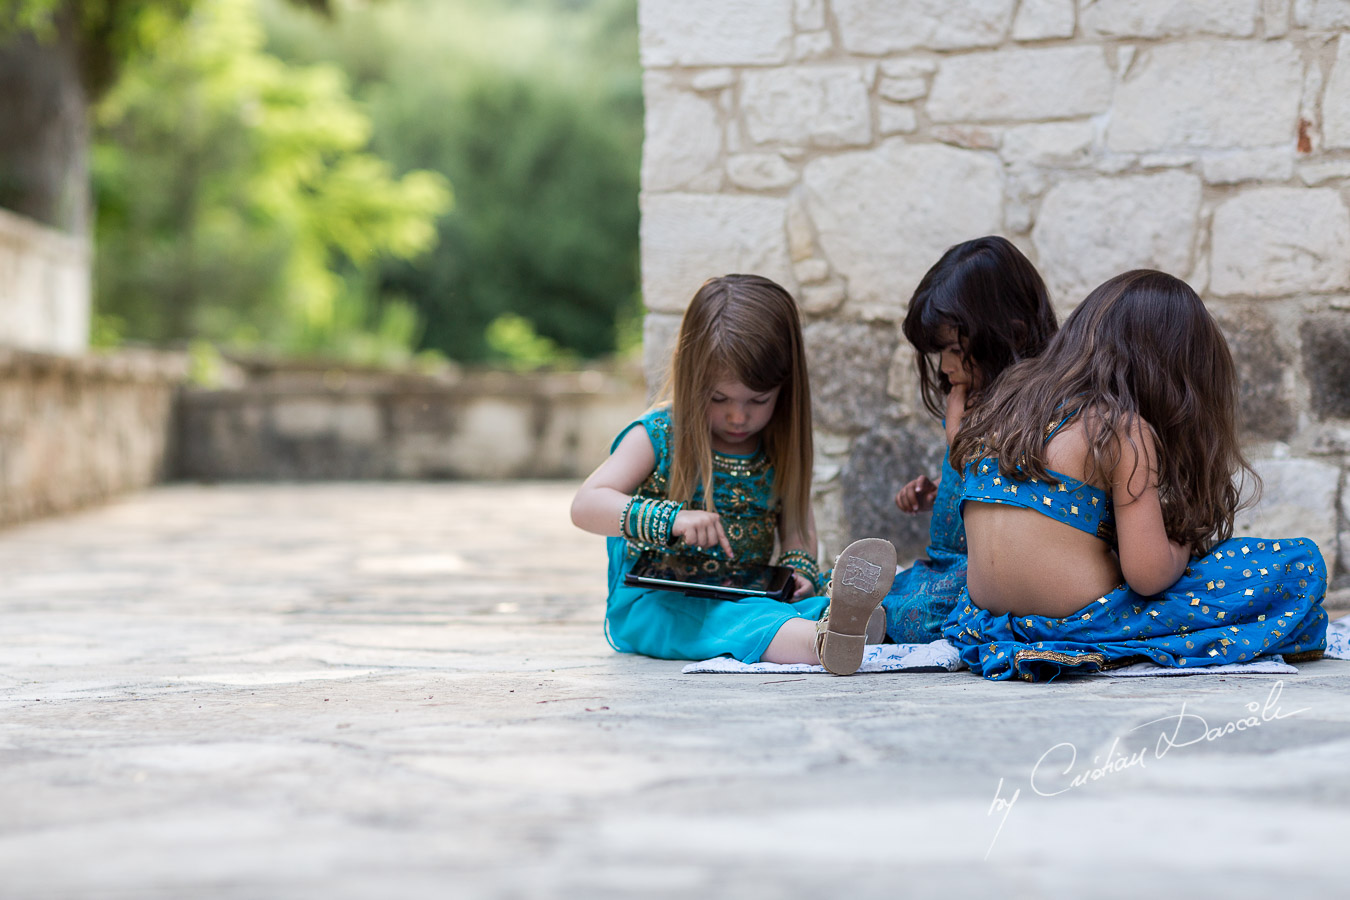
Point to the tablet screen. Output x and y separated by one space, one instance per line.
676 572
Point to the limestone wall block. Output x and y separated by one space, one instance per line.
1344 555
1039 20
812 45
659 333
894 118
819 299
1168 18
884 216
848 361
1298 499
711 79
1166 160
684 138
1051 144
1336 100
1092 229
882 26
689 238
1272 241
881 462
1325 340
1275 18
1264 375
498 433
902 380
760 171
1183 96
811 271
1234 166
1315 173
714 32
972 137
801 232
908 67
900 90
1021 84
809 14
1322 15
825 105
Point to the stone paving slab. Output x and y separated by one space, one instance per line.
403 690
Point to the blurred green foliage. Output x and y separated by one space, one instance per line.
533 111
237 202
269 178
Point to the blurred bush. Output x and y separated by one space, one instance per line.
533 111
236 200
274 179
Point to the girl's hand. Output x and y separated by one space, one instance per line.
917 496
803 588
700 528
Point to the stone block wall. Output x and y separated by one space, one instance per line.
840 146
77 430
44 287
309 422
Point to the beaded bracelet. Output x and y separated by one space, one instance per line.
649 521
804 563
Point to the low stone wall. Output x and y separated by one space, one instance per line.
307 423
44 287
76 430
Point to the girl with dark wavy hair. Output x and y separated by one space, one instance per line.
979 309
1099 499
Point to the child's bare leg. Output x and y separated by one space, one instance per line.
795 642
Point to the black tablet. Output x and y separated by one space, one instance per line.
729 581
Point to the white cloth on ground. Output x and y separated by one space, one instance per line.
1338 639
939 656
942 656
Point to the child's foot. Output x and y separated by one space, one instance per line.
862 576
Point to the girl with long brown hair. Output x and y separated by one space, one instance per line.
979 309
720 473
1099 499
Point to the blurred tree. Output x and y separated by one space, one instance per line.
533 110
57 57
236 202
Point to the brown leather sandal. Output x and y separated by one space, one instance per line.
863 574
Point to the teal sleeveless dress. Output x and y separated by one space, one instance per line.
671 625
1245 598
922 596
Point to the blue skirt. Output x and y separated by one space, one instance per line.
671 625
922 596
1248 597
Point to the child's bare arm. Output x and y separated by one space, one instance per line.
1149 560
602 497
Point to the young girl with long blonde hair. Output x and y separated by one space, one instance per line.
720 474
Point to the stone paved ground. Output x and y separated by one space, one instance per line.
401 690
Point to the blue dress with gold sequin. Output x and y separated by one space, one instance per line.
923 595
671 625
1245 598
